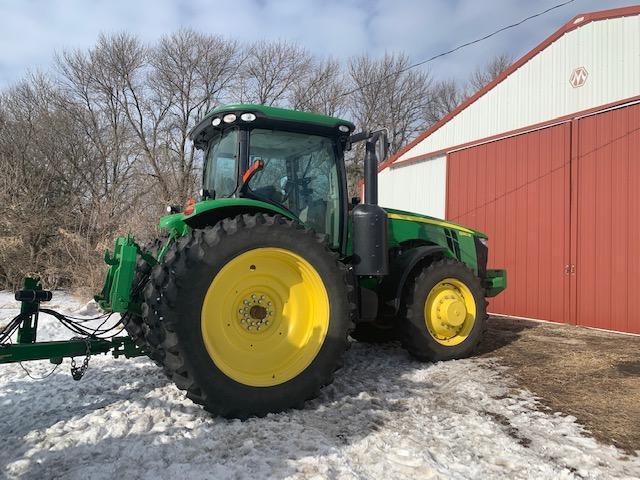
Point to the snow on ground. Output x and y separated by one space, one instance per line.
386 416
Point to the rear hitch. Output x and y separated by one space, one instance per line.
116 292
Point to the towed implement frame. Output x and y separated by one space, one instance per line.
91 341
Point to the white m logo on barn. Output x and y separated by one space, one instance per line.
578 77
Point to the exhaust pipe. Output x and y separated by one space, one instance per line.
370 244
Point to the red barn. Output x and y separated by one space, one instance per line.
546 161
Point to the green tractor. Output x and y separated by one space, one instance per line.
248 301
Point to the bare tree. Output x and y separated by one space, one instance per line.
194 71
444 97
322 90
121 65
487 73
384 94
91 98
40 191
270 71
448 94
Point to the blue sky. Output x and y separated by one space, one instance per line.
32 30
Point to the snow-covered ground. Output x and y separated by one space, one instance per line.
386 416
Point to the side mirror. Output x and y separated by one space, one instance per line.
382 147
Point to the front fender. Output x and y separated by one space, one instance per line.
400 268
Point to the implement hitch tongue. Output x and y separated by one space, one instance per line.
89 341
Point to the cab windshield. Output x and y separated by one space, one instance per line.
300 172
220 177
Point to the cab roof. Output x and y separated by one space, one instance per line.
284 114
268 114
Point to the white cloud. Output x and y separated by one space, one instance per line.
30 31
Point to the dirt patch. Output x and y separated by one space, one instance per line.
592 375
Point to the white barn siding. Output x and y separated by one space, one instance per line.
419 188
540 91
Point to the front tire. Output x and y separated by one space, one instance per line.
250 316
444 312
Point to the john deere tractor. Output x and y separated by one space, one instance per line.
248 301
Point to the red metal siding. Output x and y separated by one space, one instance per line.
562 196
607 255
517 191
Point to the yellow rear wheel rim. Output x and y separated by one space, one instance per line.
265 317
450 312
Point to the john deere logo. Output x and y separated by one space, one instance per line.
578 77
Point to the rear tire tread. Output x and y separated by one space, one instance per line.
162 290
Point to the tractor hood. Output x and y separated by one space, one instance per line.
416 217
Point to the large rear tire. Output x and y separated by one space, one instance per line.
444 312
250 316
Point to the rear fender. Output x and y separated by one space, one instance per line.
210 212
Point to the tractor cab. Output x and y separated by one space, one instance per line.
292 160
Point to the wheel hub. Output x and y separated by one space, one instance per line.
450 311
255 312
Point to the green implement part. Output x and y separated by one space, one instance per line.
56 351
27 348
29 326
116 293
495 282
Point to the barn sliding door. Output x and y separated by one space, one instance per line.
607 251
517 190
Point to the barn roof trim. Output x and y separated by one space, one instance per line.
578 21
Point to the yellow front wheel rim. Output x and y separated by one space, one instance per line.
450 312
265 317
